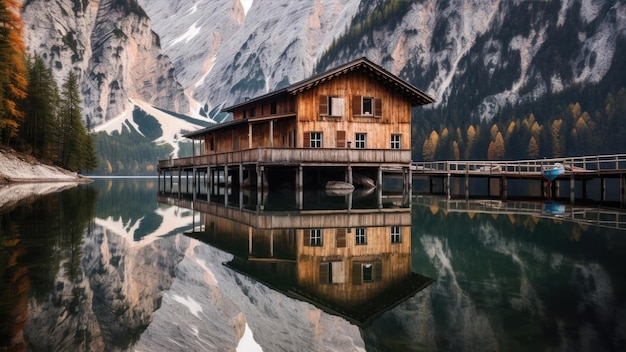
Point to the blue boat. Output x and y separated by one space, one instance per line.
551 172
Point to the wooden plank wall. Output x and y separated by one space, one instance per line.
396 113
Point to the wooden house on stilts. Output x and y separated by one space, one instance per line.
351 123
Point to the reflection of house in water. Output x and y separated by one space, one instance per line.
355 264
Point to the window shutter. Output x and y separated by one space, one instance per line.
324 273
307 238
378 107
306 140
378 272
357 274
323 105
341 238
356 105
341 139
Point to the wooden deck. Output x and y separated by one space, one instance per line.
581 169
607 165
295 157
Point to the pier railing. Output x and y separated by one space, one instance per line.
614 163
294 156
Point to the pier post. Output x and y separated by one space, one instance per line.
572 188
179 178
622 190
226 186
299 187
240 176
349 174
446 185
602 189
210 172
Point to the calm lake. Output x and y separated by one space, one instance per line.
114 265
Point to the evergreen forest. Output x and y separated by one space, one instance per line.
36 116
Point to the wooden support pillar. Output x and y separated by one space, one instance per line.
602 189
299 187
179 178
349 174
240 176
466 186
379 181
503 188
226 185
430 184
554 191
572 188
622 190
210 172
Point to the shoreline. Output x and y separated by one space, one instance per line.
16 168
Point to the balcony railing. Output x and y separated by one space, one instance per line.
294 156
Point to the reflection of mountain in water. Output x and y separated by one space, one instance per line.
511 282
355 264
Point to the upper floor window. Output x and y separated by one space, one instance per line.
367 106
361 235
396 141
360 140
312 140
396 235
331 106
315 237
273 108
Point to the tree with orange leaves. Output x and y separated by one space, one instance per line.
12 69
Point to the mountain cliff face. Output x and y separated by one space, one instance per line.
112 48
484 53
478 55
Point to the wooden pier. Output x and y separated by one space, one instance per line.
578 172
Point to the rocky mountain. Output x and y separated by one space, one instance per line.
192 57
112 48
492 52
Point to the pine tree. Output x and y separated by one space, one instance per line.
12 69
76 149
40 127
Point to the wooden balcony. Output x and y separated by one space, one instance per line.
390 158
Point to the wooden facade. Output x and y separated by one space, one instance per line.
356 115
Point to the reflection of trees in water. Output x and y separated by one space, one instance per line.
39 239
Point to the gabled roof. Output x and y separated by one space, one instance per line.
417 96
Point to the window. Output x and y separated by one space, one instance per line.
273 109
331 106
360 140
367 106
361 235
316 140
332 272
396 235
315 237
396 141
364 272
